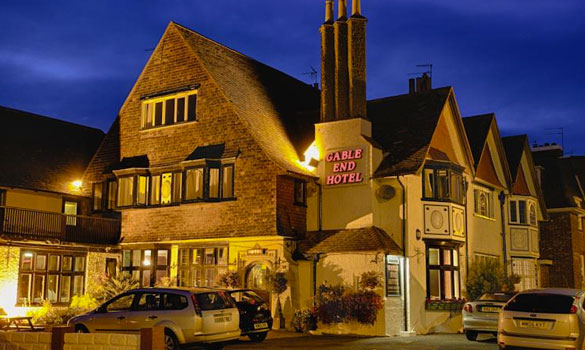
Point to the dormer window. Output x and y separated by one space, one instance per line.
170 109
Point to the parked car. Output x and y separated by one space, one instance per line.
255 318
481 315
188 315
551 318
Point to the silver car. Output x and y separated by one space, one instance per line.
481 315
551 318
187 315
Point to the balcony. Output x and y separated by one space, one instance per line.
48 226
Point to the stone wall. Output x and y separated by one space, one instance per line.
25 341
9 260
101 341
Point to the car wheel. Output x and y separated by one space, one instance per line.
257 337
81 329
171 342
471 335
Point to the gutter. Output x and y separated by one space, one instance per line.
404 252
502 199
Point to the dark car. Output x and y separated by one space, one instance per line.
255 318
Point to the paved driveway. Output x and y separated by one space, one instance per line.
289 340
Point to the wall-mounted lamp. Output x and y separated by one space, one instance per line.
76 185
418 234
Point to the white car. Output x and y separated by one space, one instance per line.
188 315
481 315
551 318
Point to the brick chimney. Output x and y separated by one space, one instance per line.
357 61
341 63
327 65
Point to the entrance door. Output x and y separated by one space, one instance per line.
257 279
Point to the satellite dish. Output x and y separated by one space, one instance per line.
386 192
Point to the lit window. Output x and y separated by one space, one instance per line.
70 209
228 181
443 281
142 190
483 203
443 183
169 110
125 191
194 184
213 182
199 267
98 196
148 266
112 189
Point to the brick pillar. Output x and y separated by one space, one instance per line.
58 337
327 66
152 338
341 64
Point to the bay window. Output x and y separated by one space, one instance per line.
50 275
125 191
444 183
523 212
443 280
194 183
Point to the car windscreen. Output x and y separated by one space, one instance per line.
247 296
541 303
502 297
213 301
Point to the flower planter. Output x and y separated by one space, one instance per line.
444 305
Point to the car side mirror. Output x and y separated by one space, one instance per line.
101 309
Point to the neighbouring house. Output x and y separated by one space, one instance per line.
562 237
526 208
50 244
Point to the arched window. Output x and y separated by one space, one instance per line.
483 204
257 276
532 214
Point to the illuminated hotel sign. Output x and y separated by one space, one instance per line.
342 167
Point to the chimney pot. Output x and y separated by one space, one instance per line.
418 84
356 8
411 88
342 11
329 11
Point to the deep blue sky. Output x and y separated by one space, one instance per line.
522 59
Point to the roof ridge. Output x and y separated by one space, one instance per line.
40 116
381 99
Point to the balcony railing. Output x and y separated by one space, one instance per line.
42 225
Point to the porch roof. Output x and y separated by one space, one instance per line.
366 239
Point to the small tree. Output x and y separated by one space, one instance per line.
488 275
229 279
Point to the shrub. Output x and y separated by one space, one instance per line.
335 304
329 304
488 276
110 286
304 320
84 302
229 279
370 280
166 282
278 282
50 315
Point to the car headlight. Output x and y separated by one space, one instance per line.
263 307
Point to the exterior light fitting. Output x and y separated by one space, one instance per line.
77 185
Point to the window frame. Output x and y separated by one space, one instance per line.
201 266
303 185
450 169
490 212
133 194
149 106
33 272
442 267
153 267
514 204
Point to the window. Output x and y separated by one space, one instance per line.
215 182
300 192
483 203
142 190
194 184
112 190
526 269
125 191
443 183
97 196
121 303
228 181
70 208
169 110
393 283
52 276
518 214
443 281
200 266
532 214
148 266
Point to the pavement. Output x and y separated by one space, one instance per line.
295 341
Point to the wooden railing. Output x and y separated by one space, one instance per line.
42 225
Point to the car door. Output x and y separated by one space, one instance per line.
112 316
146 311
218 313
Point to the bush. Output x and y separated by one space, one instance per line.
304 320
229 279
278 282
166 282
370 280
50 315
489 276
84 302
335 304
110 286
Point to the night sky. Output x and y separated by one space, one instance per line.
522 59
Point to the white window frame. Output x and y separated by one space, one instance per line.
489 214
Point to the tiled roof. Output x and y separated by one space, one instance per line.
44 153
217 151
514 146
562 179
477 129
404 126
368 239
280 110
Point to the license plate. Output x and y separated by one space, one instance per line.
223 319
533 324
490 309
260 325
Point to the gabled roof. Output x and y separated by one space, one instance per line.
562 179
404 125
279 109
369 239
45 154
477 129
